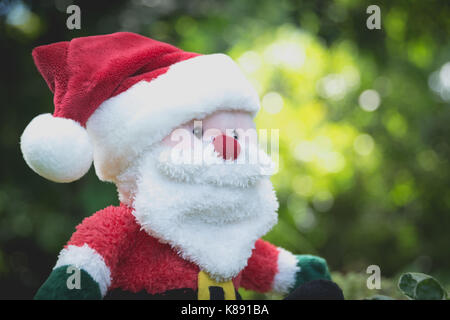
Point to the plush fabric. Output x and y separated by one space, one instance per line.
129 92
111 245
312 268
288 270
136 260
147 112
90 261
211 225
139 262
84 72
58 149
115 97
55 287
261 268
109 232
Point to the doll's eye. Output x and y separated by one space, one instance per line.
198 132
235 134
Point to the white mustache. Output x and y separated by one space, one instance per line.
207 167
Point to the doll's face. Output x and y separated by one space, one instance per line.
209 204
228 125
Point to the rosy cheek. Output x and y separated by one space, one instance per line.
166 141
180 138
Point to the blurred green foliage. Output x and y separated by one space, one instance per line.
363 119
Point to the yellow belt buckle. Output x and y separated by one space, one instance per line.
205 281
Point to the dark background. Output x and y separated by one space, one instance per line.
357 186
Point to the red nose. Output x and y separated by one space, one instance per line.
227 147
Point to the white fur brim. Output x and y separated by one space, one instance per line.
126 124
56 148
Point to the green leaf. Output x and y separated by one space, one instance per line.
407 284
420 286
430 289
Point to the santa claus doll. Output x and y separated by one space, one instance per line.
170 129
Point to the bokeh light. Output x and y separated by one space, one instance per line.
369 100
363 144
272 102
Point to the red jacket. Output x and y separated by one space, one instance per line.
123 256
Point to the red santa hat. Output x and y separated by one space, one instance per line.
116 95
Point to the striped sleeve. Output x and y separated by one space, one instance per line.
270 268
98 243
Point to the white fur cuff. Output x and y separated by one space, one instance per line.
90 261
287 271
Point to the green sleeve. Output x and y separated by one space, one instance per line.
311 268
56 287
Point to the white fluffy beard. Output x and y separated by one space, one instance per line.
211 213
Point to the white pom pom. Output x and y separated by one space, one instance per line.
56 148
